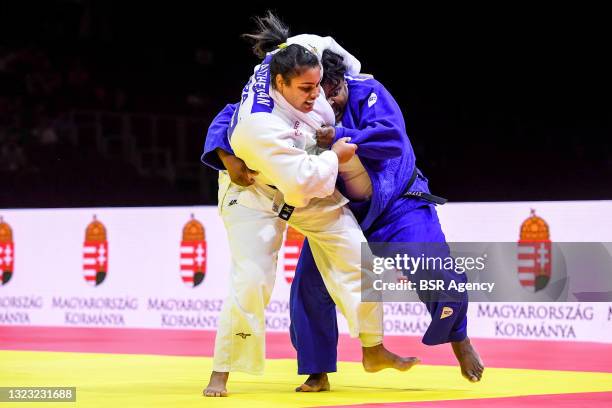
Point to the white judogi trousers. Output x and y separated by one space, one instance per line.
255 235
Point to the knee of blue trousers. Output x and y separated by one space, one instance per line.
313 330
297 314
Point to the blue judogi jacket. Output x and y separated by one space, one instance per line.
373 121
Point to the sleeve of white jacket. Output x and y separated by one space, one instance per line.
353 66
265 144
310 41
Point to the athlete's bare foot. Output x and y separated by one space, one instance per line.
315 383
216 385
472 366
378 358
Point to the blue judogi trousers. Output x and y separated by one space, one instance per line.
314 329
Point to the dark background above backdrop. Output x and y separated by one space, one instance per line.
107 102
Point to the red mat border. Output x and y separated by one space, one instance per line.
504 353
591 400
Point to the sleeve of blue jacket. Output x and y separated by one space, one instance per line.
380 127
217 138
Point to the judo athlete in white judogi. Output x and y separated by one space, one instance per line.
273 131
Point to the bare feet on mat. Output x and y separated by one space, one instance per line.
315 383
217 385
378 358
472 366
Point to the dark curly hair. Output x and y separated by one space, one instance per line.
333 68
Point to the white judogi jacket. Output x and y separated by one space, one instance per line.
274 138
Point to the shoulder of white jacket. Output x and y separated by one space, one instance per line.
303 39
359 77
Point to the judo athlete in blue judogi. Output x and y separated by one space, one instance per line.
396 206
389 197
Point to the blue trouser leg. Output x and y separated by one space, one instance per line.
314 329
451 328
421 225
